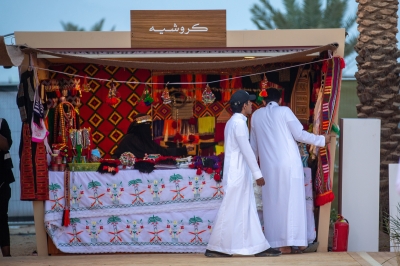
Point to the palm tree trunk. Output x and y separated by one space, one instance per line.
378 79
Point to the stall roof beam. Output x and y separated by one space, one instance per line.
244 38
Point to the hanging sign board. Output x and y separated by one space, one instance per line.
178 28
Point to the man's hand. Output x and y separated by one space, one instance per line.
260 182
328 138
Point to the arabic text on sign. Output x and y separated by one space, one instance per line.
181 30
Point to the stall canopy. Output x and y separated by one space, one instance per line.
13 55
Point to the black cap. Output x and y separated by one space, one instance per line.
241 96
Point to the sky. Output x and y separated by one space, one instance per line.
46 15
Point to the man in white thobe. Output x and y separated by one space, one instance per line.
274 132
237 228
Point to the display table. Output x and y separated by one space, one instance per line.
164 211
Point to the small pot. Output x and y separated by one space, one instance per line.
54 167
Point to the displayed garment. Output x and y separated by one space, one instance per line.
206 125
237 227
138 141
274 131
33 155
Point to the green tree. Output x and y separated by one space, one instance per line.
309 14
68 26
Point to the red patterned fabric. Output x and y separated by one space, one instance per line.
33 188
219 132
108 123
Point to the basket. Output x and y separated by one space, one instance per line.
83 167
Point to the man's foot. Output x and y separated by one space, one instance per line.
290 250
271 252
216 254
310 248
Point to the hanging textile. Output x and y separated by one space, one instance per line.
220 126
33 160
330 102
199 86
224 84
300 101
206 125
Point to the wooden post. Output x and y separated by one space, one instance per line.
41 236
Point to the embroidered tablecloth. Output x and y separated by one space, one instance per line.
164 211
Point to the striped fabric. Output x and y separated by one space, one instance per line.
331 94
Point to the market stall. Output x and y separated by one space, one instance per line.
103 83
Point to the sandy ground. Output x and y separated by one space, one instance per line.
23 240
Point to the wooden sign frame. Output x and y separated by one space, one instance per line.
178 28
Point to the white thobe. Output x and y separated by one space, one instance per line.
274 132
237 227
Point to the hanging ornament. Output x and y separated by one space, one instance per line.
165 95
85 85
264 84
148 99
208 96
112 97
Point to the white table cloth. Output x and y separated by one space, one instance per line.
164 211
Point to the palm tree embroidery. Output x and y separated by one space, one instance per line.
114 220
135 229
197 183
154 221
156 188
94 228
176 178
135 183
76 195
54 189
196 221
94 185
175 228
74 234
115 190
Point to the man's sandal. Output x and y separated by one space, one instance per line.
216 254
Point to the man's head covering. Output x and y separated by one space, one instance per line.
240 97
273 95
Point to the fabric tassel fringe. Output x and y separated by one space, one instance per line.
324 198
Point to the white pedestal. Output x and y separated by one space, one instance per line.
360 150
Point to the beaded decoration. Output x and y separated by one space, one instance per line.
208 96
64 121
165 96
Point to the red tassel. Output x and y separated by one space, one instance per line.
324 198
198 172
66 221
209 171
